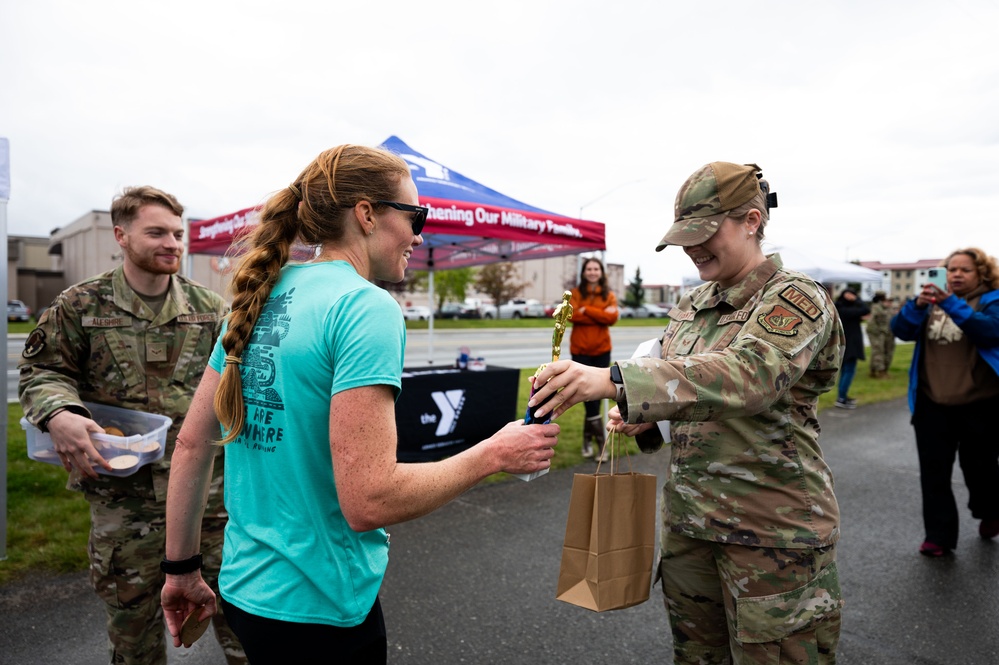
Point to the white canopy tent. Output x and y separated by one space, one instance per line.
820 268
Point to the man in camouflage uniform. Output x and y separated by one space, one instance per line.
880 336
136 337
750 520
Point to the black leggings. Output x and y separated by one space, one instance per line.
967 431
603 360
271 641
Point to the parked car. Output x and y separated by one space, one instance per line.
459 310
625 312
418 313
517 308
650 311
17 311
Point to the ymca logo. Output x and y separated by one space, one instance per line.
432 169
449 402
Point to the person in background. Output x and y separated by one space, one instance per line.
880 336
954 394
594 310
750 520
136 337
302 387
851 311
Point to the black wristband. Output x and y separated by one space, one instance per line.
181 567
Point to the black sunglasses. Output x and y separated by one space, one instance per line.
419 213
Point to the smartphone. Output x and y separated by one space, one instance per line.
938 277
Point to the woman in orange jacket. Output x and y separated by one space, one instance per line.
594 310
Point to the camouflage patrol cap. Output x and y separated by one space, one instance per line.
705 198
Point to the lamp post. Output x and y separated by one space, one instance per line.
607 193
587 205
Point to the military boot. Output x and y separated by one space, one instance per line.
594 427
587 449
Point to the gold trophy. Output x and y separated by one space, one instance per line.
561 314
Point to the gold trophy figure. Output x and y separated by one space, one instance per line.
561 314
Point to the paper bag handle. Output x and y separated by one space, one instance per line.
617 447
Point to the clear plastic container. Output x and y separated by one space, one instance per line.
144 440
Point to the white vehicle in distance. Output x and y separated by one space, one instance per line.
649 311
517 308
644 312
418 313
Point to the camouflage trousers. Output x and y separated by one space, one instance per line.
882 351
127 543
732 604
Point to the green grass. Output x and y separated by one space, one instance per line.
47 525
20 326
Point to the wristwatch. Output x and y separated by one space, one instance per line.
619 396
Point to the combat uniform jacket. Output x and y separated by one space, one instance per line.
99 342
740 375
879 322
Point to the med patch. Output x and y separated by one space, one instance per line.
801 302
780 321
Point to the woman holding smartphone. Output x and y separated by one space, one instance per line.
953 392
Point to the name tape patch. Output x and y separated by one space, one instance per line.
801 302
106 321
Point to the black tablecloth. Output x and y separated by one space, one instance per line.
443 410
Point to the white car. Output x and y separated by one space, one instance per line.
651 312
418 313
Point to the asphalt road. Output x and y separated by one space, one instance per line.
475 581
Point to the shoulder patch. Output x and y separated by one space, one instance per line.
801 302
35 343
780 321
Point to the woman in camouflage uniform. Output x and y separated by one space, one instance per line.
750 520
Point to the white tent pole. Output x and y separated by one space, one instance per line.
430 291
4 196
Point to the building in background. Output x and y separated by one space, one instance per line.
34 276
903 280
39 268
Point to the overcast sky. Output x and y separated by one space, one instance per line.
875 122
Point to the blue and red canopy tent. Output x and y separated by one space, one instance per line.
468 224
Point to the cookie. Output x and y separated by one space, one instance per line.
192 629
123 462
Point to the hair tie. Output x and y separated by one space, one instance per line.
295 191
233 360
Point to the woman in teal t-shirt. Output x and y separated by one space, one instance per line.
303 384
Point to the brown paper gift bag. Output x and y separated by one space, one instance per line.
609 538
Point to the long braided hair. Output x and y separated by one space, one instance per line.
313 209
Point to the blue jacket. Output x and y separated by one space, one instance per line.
981 327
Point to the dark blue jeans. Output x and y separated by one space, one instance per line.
846 373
